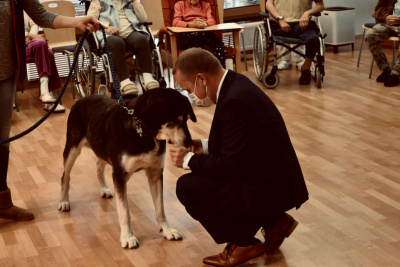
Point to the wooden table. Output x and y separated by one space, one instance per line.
226 27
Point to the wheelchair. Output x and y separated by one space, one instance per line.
94 65
264 41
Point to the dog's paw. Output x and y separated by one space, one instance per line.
63 205
129 242
106 193
171 234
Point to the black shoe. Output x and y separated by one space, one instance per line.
393 80
305 77
384 75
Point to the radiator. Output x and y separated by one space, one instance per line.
62 66
248 36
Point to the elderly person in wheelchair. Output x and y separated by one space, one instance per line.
121 20
291 18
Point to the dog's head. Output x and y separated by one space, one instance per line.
164 113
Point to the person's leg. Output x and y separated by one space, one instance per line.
37 52
7 209
285 60
7 93
198 193
374 38
297 58
310 39
139 43
117 49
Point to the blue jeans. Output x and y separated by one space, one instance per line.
308 37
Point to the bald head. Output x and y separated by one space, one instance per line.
196 60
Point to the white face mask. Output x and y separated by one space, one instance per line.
205 102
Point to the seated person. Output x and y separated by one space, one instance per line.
38 52
291 18
388 24
197 14
121 19
286 60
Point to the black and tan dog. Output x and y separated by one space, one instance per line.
129 143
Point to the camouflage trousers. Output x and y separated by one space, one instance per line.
374 37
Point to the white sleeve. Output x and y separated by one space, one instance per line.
139 11
204 143
186 159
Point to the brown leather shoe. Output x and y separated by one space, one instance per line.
11 212
275 235
234 255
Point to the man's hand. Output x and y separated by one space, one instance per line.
284 25
112 30
177 154
393 20
304 20
197 147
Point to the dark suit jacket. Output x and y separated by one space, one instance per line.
250 153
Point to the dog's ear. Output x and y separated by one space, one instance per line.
191 114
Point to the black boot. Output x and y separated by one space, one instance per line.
305 77
7 208
393 80
384 75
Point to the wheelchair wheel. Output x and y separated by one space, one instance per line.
85 71
318 78
259 52
270 81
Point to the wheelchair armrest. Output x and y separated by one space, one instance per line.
264 15
163 38
146 23
317 14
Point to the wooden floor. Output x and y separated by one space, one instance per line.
347 138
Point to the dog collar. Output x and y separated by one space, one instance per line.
139 126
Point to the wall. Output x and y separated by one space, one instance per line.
364 10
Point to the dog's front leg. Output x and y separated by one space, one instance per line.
127 239
155 178
70 155
105 191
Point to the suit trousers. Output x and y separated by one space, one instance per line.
199 194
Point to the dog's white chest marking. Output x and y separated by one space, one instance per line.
143 161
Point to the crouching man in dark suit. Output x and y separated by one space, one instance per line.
246 175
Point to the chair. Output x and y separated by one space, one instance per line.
394 39
168 14
62 40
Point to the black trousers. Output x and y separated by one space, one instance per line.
198 193
137 42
